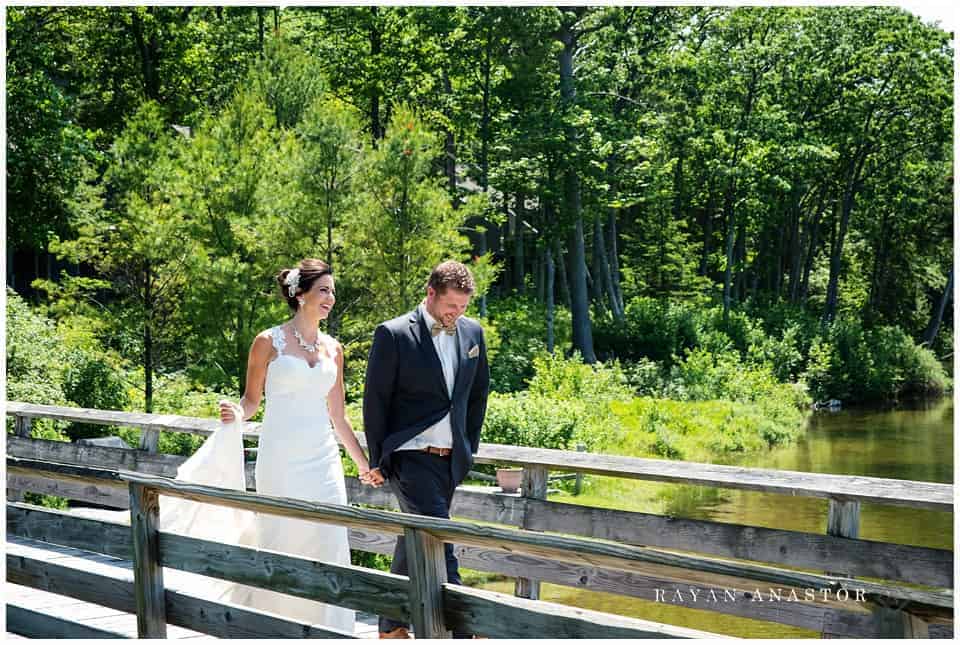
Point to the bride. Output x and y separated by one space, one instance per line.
301 372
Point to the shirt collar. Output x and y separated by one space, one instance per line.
430 320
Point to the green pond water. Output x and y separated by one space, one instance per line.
914 443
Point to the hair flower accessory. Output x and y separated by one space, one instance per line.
292 281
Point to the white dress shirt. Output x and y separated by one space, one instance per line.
439 435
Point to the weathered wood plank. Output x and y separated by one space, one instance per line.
428 572
106 458
142 420
534 487
896 492
498 615
95 493
149 440
575 550
113 587
22 426
35 624
709 592
803 614
114 591
342 585
147 572
60 527
919 565
843 521
94 456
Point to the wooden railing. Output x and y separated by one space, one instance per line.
889 609
424 598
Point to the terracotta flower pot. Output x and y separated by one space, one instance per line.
509 479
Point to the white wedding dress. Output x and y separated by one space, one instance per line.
298 457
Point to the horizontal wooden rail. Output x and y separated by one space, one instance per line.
857 557
927 495
498 615
37 624
307 578
112 586
839 618
560 548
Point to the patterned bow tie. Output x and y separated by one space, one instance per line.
438 327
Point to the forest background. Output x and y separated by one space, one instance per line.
688 223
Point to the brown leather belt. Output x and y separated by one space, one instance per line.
443 452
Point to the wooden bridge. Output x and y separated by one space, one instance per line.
111 568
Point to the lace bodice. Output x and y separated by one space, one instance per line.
291 377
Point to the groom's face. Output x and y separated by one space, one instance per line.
448 305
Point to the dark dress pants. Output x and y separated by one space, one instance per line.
423 485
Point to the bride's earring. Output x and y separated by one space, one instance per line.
301 301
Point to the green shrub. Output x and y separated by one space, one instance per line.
696 430
655 329
881 364
703 376
516 331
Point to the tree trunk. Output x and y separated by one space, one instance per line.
812 247
375 46
728 271
551 272
148 340
564 282
707 234
875 297
541 274
485 148
613 245
260 13
741 261
580 309
800 235
931 332
148 49
519 261
450 147
836 255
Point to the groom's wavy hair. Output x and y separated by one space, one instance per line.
311 270
452 275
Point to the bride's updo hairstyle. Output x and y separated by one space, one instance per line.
298 280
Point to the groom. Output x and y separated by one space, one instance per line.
423 406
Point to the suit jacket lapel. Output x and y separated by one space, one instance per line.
463 346
418 327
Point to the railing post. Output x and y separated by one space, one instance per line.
843 520
147 572
21 428
578 482
534 487
427 567
149 439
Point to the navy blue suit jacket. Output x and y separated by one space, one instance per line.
406 393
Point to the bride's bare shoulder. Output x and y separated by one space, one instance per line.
263 342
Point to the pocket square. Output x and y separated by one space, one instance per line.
474 351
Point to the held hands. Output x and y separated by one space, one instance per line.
372 477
